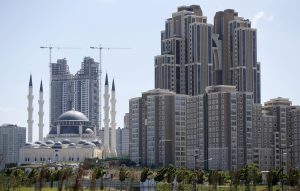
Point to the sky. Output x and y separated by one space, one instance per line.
25 25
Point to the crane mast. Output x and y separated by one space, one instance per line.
100 48
50 47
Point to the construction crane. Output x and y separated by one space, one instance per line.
100 48
50 47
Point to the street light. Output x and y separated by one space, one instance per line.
201 161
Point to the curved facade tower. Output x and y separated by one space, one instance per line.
113 123
106 116
30 110
41 113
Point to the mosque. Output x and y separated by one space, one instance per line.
72 137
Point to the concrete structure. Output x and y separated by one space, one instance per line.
205 111
113 124
158 128
280 108
211 130
185 65
72 125
295 129
106 117
12 138
72 138
122 137
135 129
263 126
30 110
229 116
239 53
41 113
64 151
79 91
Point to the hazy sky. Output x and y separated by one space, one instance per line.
25 25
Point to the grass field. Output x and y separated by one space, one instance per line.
186 187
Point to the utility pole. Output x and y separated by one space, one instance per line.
50 47
100 48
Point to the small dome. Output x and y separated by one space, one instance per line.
38 142
72 144
49 142
43 145
89 144
66 141
53 131
82 141
89 131
72 115
97 142
58 143
28 144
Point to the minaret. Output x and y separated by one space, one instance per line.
41 113
113 123
30 110
106 117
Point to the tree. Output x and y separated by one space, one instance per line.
145 174
19 176
43 171
251 174
235 177
181 175
273 177
51 176
293 177
97 173
32 177
160 175
123 174
80 173
100 173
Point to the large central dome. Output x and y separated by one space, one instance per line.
72 115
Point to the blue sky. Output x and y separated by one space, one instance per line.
27 25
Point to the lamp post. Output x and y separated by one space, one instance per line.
202 161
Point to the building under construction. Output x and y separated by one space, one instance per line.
79 91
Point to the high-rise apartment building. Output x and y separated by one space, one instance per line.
280 108
263 128
158 128
185 65
239 53
12 138
205 111
295 129
79 91
196 132
122 137
135 130
212 130
229 127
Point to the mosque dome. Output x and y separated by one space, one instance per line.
89 131
72 115
66 141
82 141
38 142
49 142
88 145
